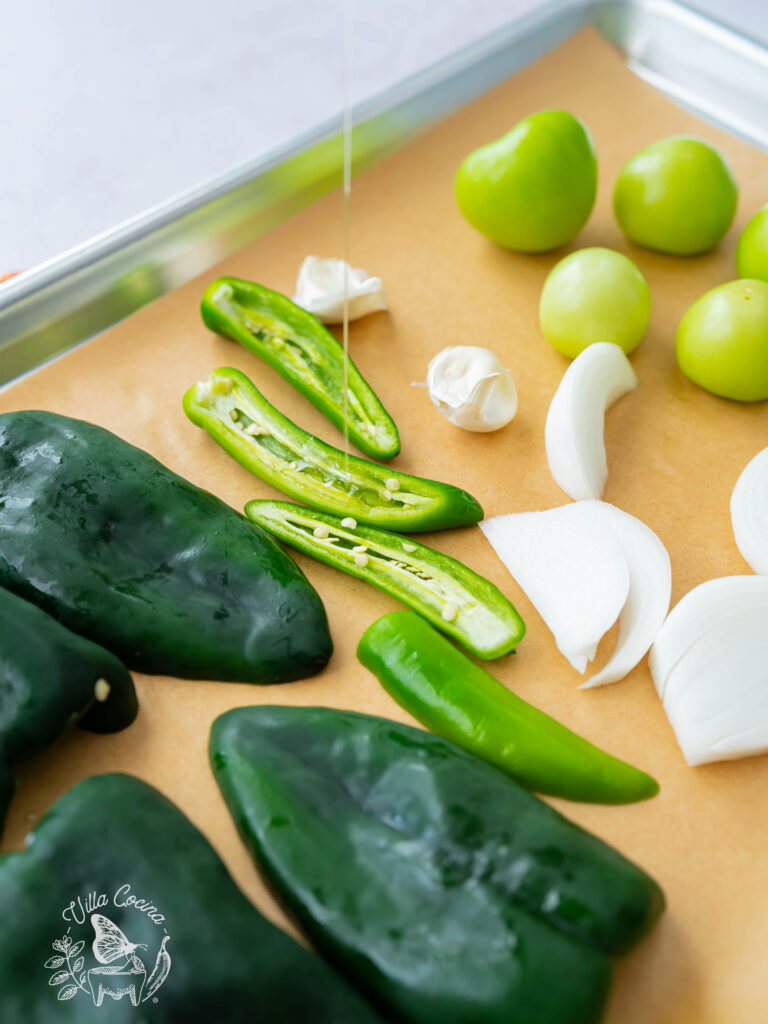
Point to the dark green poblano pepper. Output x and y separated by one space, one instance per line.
120 911
302 350
444 889
158 571
51 679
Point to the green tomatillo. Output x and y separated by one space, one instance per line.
677 195
722 341
752 253
533 189
594 295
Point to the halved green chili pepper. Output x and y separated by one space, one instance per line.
302 350
460 701
273 448
51 679
453 597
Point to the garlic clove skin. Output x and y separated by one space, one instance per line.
471 388
320 290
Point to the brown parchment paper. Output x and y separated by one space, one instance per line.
674 453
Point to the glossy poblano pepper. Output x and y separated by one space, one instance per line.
302 350
457 699
448 892
51 679
118 897
453 597
273 448
163 574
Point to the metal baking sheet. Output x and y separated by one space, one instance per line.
715 72
674 453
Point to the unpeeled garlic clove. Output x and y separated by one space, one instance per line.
320 290
471 388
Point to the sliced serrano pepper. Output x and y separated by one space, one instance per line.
453 597
306 354
273 448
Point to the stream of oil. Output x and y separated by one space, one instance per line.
348 47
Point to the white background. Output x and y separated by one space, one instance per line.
107 107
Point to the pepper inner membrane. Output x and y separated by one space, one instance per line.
304 356
442 588
237 415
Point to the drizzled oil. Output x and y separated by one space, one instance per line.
348 48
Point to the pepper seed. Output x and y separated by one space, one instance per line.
321 532
101 690
349 523
449 612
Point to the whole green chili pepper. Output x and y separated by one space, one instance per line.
302 350
448 892
158 571
51 679
251 430
193 949
453 597
458 700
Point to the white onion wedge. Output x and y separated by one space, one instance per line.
710 667
574 575
749 513
583 566
576 418
650 589
691 618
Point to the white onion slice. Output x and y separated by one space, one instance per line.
574 574
320 290
650 589
691 618
576 418
583 566
710 666
749 513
